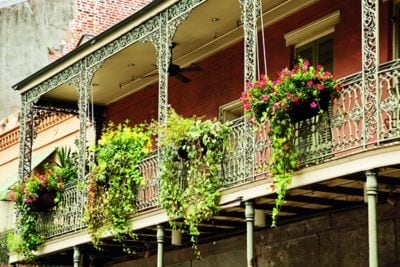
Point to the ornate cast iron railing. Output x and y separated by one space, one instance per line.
67 216
340 131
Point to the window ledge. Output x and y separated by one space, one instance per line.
313 30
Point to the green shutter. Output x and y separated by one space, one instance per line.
306 52
325 53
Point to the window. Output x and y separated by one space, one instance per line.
318 52
231 111
314 41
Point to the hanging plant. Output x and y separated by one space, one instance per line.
303 89
192 151
33 195
113 183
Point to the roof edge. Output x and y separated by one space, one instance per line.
152 5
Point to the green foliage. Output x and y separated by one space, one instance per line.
112 186
265 100
67 162
192 151
34 194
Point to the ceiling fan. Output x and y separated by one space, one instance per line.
176 71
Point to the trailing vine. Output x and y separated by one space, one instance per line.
192 151
113 183
303 89
36 194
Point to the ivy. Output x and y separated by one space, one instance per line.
113 183
192 151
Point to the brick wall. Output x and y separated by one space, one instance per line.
93 17
221 80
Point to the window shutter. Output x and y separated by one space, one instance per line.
325 53
306 52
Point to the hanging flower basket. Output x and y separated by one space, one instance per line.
297 94
302 110
45 201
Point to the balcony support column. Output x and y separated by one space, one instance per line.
83 104
160 246
26 136
249 215
371 187
250 9
76 256
370 66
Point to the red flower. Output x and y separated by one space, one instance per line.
60 186
320 86
338 88
289 95
295 99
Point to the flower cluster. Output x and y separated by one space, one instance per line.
304 83
30 188
304 86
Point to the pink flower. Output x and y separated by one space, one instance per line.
250 119
306 65
295 99
277 81
326 74
264 98
246 106
28 200
248 86
313 104
275 106
310 83
289 95
320 87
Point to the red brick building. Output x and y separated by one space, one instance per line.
346 157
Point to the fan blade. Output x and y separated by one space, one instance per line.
191 69
149 75
182 78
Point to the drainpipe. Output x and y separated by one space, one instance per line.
160 246
371 187
249 214
76 256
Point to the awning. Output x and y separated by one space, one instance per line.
6 183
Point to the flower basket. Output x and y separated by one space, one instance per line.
297 94
302 110
45 201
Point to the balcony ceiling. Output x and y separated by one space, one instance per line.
197 38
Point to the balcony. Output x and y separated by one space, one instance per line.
357 121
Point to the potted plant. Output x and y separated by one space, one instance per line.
114 181
33 195
193 151
297 94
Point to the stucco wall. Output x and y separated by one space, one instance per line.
27 30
